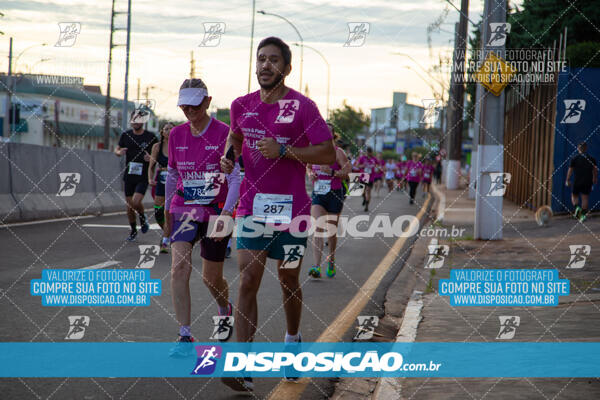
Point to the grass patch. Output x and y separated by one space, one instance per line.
429 288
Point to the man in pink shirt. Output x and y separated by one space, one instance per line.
414 174
277 130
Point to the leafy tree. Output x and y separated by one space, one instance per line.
349 121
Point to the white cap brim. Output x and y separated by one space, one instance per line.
191 96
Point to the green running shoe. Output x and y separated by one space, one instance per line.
330 269
315 271
578 212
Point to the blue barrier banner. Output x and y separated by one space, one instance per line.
504 287
101 287
304 360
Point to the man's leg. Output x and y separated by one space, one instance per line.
130 212
252 266
292 296
137 204
333 237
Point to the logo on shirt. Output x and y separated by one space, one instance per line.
249 114
181 148
287 111
211 148
573 111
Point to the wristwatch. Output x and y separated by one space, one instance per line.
282 151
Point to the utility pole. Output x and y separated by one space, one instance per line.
473 175
457 99
108 80
125 120
6 128
488 209
192 65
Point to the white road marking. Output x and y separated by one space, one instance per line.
152 226
102 265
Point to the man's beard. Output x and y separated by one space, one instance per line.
276 82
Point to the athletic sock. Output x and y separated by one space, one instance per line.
185 330
223 310
142 219
133 227
292 338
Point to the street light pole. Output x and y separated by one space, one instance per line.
328 71
27 48
299 36
251 44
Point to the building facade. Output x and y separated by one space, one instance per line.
66 114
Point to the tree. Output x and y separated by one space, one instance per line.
349 122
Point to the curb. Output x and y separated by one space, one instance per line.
440 198
391 387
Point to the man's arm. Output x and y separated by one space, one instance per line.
569 173
322 153
342 160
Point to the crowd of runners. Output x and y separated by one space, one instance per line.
204 174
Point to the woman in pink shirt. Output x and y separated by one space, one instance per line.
195 191
427 174
414 174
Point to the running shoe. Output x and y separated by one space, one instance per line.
132 236
578 212
582 217
164 245
145 226
224 324
315 271
239 384
330 269
183 348
292 347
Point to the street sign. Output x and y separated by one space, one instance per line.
494 74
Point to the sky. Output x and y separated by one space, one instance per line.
163 35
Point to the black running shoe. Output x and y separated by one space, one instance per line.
132 236
239 384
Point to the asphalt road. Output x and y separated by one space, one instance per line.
28 249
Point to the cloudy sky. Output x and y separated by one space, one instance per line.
164 33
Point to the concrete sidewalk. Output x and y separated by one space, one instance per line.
525 245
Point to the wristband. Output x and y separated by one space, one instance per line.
282 151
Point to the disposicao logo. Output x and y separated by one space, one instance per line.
207 359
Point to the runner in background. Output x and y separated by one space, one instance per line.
585 171
414 173
327 199
366 164
390 174
427 175
401 173
136 144
196 190
437 172
379 172
157 176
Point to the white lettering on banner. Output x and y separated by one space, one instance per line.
317 362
